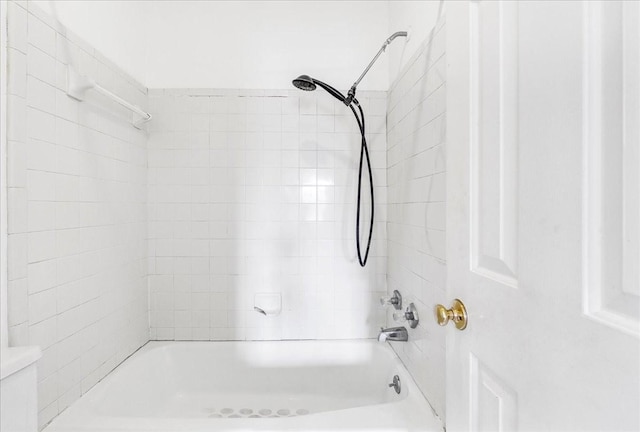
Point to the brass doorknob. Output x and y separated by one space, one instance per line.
457 314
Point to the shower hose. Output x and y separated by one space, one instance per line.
364 156
351 101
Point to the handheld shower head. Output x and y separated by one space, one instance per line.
304 82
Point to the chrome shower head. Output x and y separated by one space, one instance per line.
304 82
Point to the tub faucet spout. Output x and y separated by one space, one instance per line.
393 334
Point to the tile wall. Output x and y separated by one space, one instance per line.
254 192
77 219
416 228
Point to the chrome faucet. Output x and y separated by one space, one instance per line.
393 334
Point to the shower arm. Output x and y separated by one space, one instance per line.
352 92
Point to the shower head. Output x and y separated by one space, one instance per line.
304 82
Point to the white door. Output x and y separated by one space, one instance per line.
543 212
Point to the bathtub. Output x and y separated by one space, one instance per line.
247 386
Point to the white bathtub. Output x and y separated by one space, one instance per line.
263 386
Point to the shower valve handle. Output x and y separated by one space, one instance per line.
395 300
410 315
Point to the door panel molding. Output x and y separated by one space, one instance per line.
611 165
494 404
494 140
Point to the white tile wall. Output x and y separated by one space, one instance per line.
254 191
77 212
416 226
